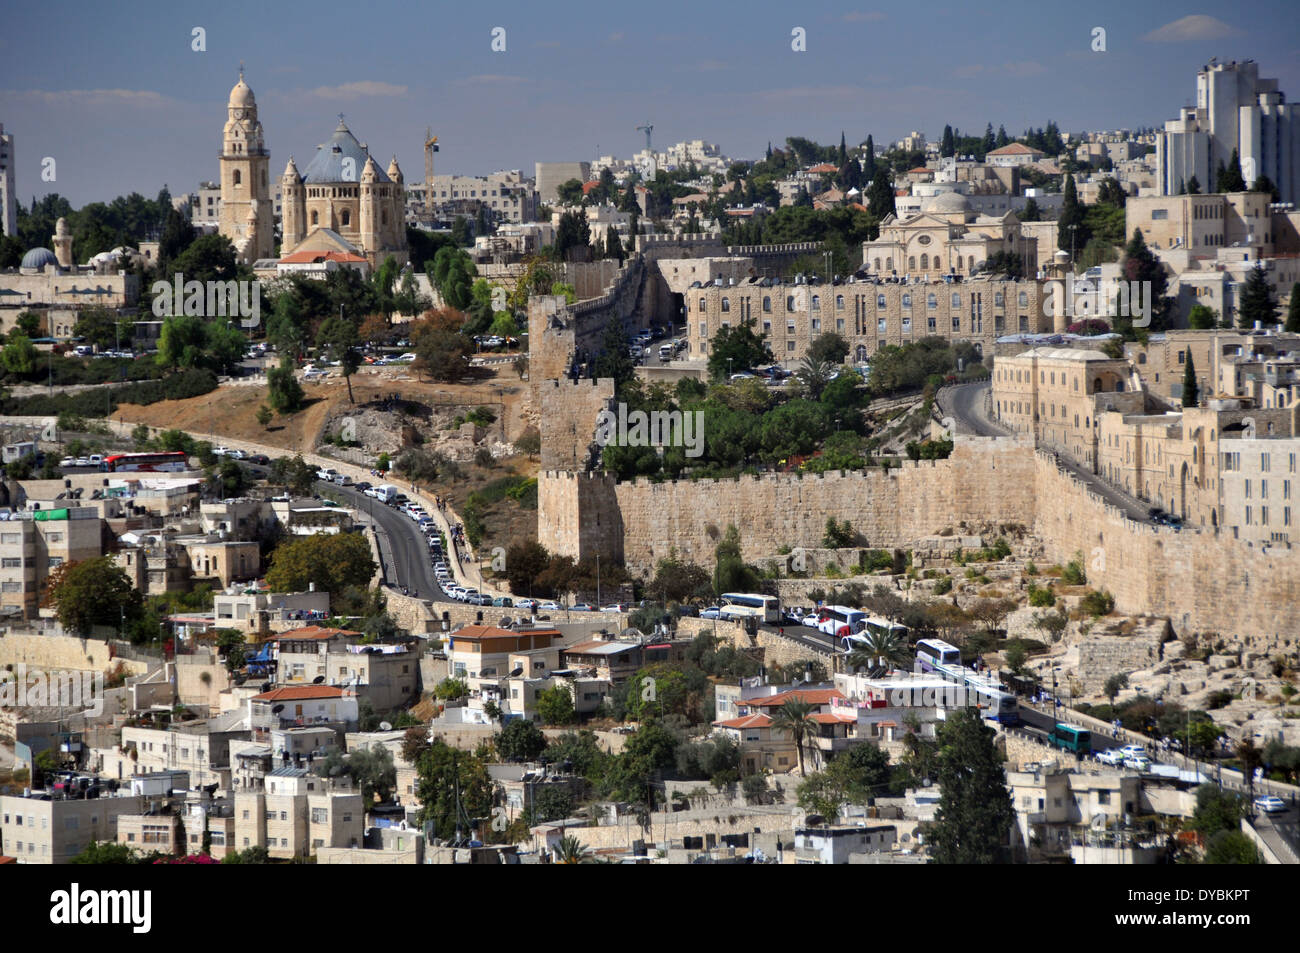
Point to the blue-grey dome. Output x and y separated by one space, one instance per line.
38 258
327 164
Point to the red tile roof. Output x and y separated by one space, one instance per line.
309 257
749 721
815 696
300 693
824 167
1015 149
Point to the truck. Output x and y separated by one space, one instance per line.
386 493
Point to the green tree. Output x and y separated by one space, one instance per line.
1232 847
181 342
880 194
1193 186
975 816
230 646
1191 389
555 706
1202 318
1230 178
106 852
570 192
264 415
520 740
444 772
1072 228
338 335
824 793
1257 301
19 354
91 592
795 718
334 562
1140 264
863 770
1216 811
1114 685
735 349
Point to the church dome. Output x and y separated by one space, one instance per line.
38 258
241 96
327 165
947 202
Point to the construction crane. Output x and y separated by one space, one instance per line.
430 147
647 129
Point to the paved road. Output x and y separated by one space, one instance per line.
403 548
966 404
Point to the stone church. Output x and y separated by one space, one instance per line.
342 203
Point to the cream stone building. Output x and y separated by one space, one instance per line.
344 202
1203 222
868 314
247 217
1057 394
947 237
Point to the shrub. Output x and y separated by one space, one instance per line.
943 586
1097 603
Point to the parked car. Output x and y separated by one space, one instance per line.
261 459
1134 751
68 462
1112 756
711 612
526 604
342 479
1270 804
505 602
220 451
1138 762
582 607
549 606
616 607
362 487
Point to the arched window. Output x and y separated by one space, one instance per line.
726 305
1024 300
880 301
889 264
704 305
816 302
997 300
346 218
767 304
239 177
907 301
925 262
911 263
959 262
789 302
315 217
839 302
956 300
931 300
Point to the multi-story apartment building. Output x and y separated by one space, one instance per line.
1202 223
296 814
1235 110
869 314
1261 487
42 830
30 548
202 748
8 191
508 196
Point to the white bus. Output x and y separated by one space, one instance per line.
936 655
873 625
743 605
840 621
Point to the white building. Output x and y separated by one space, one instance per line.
1235 109
8 191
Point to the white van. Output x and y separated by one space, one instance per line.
386 493
667 352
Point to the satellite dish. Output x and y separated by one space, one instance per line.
505 622
318 679
925 782
515 673
385 726
277 709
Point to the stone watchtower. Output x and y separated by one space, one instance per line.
246 209
62 241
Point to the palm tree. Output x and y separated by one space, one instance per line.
570 850
795 718
877 651
814 375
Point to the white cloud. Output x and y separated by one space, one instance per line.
359 90
89 97
1188 29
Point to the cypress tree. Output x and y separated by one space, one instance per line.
975 817
1193 186
1293 310
1191 390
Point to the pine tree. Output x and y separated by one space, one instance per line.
1264 184
947 147
1193 186
988 144
844 151
1071 214
869 160
1191 389
975 817
880 195
1003 139
1230 178
1141 265
1182 187
1293 310
1257 302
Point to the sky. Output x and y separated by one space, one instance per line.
118 97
